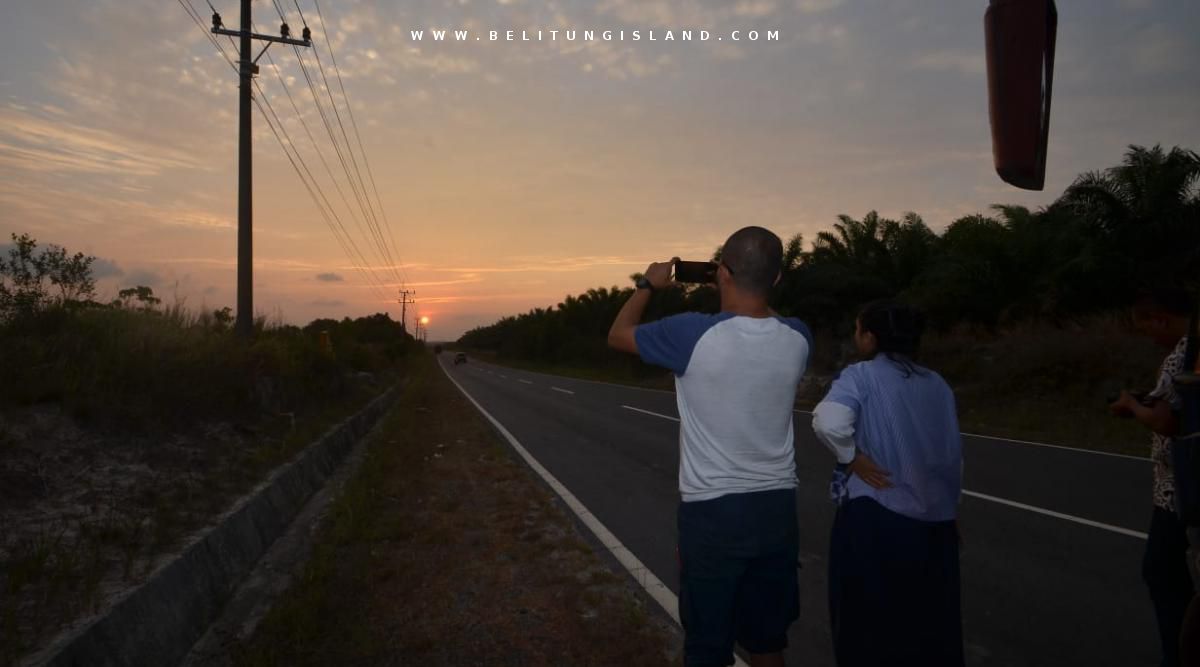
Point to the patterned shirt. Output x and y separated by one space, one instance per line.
1160 445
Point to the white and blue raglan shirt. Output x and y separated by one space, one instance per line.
735 383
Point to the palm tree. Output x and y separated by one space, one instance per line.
911 246
1147 209
852 243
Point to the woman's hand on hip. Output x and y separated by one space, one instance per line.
869 472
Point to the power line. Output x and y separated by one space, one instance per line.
357 136
320 155
341 157
191 12
324 162
372 219
358 187
335 224
379 289
278 129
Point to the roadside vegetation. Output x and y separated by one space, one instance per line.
445 549
1027 309
126 426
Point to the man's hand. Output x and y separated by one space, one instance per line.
869 472
659 273
621 335
1125 405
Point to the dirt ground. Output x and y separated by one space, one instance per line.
445 550
86 515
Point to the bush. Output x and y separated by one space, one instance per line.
140 368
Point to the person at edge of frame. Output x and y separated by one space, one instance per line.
1162 314
736 374
894 582
1187 386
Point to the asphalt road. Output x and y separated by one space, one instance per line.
1053 537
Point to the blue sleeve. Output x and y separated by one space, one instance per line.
798 325
669 342
845 389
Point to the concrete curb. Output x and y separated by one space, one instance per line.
158 622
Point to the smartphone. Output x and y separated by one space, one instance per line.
695 272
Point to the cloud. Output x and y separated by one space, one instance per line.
951 61
330 277
816 6
30 142
538 264
143 277
754 8
1157 50
327 303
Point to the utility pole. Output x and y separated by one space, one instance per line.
244 324
404 301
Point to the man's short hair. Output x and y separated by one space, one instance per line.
755 256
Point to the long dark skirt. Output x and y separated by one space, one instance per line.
894 590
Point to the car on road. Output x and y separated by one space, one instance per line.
460 358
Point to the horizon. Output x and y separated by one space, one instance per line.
513 173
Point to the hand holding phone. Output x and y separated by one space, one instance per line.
659 273
695 272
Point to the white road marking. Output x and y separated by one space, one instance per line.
653 586
1069 449
525 381
565 391
504 376
994 499
1057 515
1078 450
647 412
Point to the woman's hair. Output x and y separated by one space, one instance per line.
897 328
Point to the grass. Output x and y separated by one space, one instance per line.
135 370
443 549
124 431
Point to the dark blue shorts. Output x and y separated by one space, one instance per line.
738 556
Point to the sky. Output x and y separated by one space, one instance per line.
504 175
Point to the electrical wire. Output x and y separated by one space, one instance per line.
347 243
369 212
337 219
357 135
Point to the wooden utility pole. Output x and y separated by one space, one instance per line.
244 325
404 301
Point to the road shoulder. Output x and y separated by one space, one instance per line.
445 549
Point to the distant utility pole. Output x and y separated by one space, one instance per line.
404 301
248 68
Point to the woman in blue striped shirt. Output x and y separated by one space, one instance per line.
894 594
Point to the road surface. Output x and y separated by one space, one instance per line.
1053 536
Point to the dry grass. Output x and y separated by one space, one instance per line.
444 550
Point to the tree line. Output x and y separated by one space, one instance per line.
1111 233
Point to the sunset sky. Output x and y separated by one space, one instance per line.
514 173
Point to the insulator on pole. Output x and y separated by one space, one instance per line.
285 31
216 21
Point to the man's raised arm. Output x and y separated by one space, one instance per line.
621 334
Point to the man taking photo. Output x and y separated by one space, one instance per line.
736 374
